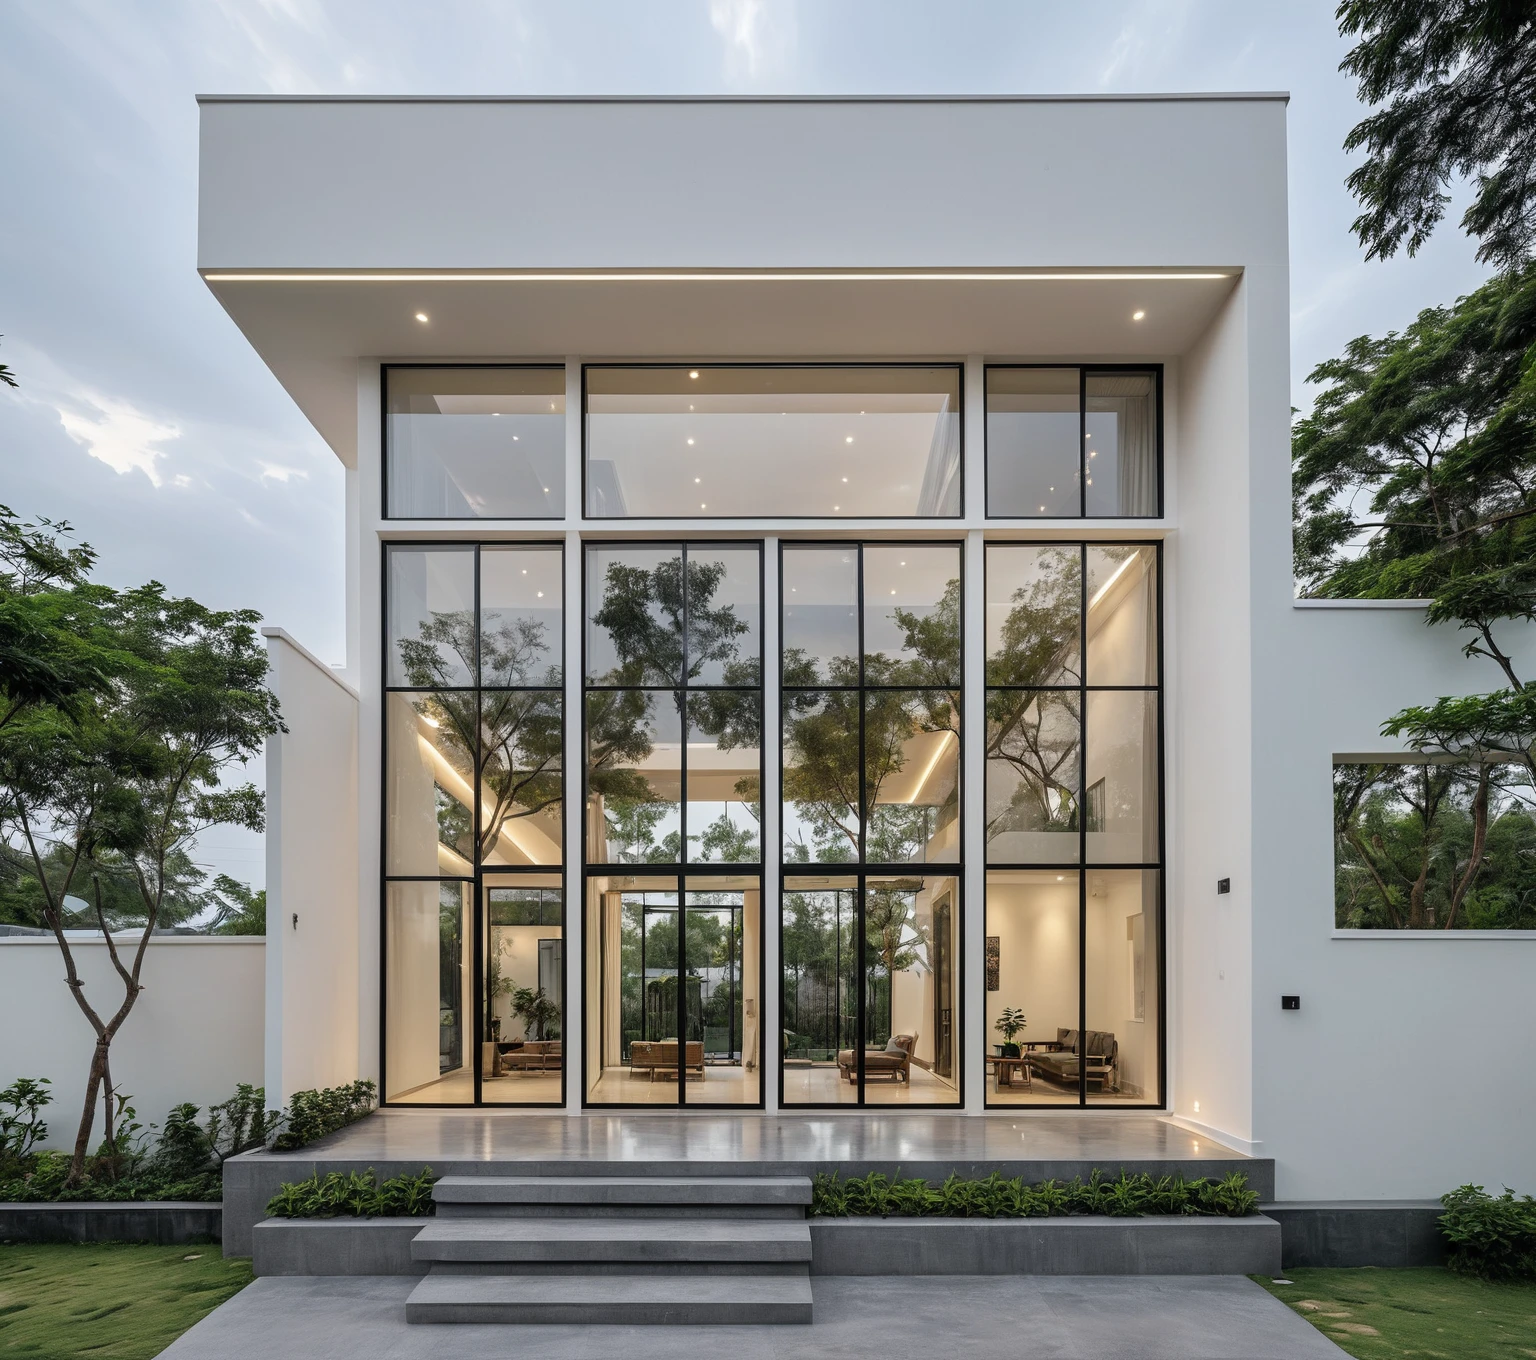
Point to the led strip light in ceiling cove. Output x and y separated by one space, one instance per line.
904 276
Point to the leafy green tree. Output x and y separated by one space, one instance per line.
1414 476
1456 82
1432 847
238 908
109 798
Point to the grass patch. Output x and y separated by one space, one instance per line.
112 1300
1428 1313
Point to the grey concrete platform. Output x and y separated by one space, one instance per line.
1360 1232
1060 1318
336 1246
522 1240
168 1223
626 1300
526 1143
600 1192
1087 1245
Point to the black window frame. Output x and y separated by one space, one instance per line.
861 870
1082 867
680 872
384 513
1084 371
477 879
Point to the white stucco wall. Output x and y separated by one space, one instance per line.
1404 1072
194 1033
312 1028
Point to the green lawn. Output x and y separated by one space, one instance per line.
1375 1314
112 1301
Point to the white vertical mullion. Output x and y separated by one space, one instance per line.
769 1030
973 454
574 1025
973 839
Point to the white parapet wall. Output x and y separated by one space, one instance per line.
312 1020
194 1034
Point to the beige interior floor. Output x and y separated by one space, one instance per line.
458 1088
720 1085
824 1085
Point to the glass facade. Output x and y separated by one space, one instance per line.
474 798
870 737
1072 443
1073 824
673 739
486 442
738 441
664 657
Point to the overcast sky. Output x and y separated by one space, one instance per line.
145 419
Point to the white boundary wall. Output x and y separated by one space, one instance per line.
194 1033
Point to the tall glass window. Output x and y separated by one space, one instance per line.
1074 824
1068 443
724 441
486 442
673 692
871 673
473 833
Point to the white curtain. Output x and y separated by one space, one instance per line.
1130 397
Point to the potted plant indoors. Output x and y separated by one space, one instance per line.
1010 1024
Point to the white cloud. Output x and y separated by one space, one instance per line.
120 435
276 472
753 45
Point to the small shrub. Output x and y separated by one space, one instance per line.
312 1115
1490 1236
356 1194
21 1123
1124 1196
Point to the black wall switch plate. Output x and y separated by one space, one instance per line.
1290 1003
1223 885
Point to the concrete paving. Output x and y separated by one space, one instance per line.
994 1318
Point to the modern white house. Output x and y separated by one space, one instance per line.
818 578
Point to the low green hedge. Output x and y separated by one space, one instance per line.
357 1194
993 1197
1490 1236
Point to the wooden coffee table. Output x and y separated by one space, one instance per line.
1003 1070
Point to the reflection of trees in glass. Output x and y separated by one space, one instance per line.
1433 847
642 614
821 738
1034 733
515 732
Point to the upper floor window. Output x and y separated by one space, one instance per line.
486 442
1070 443
754 441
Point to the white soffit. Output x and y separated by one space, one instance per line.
311 330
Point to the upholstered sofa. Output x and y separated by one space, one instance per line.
536 1055
891 1063
653 1055
1059 1062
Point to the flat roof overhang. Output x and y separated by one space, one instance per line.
311 327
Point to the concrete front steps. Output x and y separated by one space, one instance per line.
598 1249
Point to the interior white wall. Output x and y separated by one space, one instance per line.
195 1032
312 889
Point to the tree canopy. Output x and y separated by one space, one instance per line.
1455 82
1414 476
